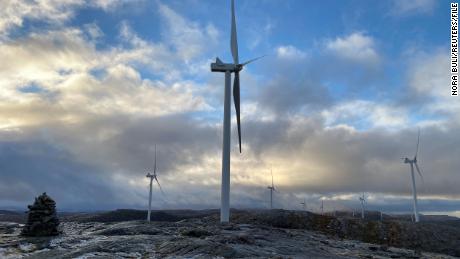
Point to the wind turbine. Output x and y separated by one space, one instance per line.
362 199
413 162
153 176
322 207
272 189
304 204
229 68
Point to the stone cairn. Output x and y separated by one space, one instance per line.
42 219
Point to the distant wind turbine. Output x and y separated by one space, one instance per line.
229 68
272 189
413 162
304 204
362 199
322 207
153 176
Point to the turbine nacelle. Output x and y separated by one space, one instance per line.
408 161
362 198
220 66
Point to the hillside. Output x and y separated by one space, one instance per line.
252 233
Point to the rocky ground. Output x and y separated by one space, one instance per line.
252 234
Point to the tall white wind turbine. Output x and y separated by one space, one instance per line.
229 68
152 177
413 162
362 199
272 189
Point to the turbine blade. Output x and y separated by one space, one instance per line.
155 162
233 39
418 141
236 100
252 60
159 186
418 171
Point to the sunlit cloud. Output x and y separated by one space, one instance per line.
357 47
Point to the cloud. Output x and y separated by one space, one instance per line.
413 7
60 66
109 4
92 106
340 160
289 52
13 13
286 93
427 86
52 169
428 75
188 38
359 114
295 83
356 47
53 13
257 37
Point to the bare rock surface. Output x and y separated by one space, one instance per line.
248 236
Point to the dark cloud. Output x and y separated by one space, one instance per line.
292 85
289 93
31 167
81 169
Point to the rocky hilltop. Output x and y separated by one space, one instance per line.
252 234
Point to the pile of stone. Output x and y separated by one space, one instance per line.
42 218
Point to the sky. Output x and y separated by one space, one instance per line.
88 88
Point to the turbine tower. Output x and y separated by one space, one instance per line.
272 189
362 199
229 68
153 176
412 163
